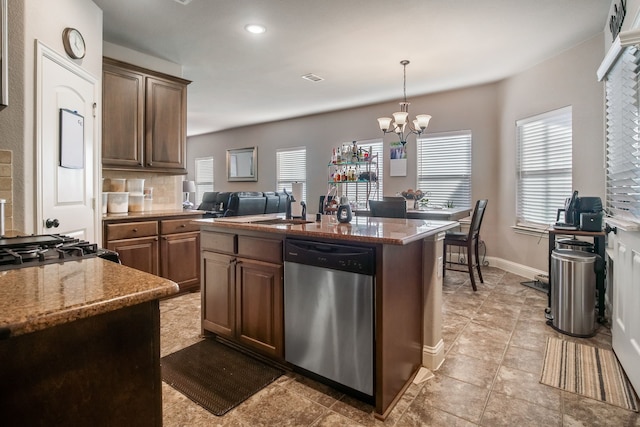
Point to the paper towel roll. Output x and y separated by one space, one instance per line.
296 207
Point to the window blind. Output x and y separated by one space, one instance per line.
361 191
544 147
203 177
291 166
623 148
444 168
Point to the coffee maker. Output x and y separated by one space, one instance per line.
580 213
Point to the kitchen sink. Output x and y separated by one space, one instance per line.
276 221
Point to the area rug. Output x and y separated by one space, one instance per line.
588 371
215 376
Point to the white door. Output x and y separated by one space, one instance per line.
625 330
65 192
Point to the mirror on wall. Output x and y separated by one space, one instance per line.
242 164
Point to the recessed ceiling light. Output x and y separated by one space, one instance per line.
255 28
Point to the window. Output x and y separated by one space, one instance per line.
543 167
444 168
361 191
204 177
291 166
623 148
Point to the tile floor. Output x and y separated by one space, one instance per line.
494 342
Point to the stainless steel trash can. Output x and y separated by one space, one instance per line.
573 292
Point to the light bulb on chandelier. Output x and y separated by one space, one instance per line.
400 125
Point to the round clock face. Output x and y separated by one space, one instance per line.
73 43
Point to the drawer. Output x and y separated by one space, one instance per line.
183 225
269 250
218 242
130 230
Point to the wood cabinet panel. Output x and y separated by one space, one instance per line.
220 242
258 248
259 311
180 255
122 117
165 131
141 254
218 293
129 230
182 225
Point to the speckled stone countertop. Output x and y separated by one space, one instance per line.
36 298
393 231
149 215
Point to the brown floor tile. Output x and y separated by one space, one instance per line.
582 411
313 390
418 416
523 359
456 397
526 386
279 406
481 342
332 419
503 410
469 369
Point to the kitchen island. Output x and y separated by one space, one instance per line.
80 344
242 294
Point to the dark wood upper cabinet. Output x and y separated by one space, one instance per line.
144 119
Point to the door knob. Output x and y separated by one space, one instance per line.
52 223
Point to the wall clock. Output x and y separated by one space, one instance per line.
73 43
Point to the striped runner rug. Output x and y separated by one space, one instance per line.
588 371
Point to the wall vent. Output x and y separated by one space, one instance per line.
312 77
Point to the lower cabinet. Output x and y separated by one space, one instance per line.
242 298
259 306
139 253
167 247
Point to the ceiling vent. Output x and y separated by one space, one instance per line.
183 2
312 77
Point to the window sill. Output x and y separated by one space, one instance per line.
531 231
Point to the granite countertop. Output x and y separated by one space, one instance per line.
36 298
393 231
150 214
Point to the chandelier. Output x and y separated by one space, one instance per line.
400 125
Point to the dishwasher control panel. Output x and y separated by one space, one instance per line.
354 259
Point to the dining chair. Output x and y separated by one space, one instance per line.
468 240
388 208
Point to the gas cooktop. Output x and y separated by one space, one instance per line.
34 250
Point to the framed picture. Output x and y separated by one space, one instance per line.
4 54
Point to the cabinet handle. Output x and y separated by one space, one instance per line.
183 225
135 230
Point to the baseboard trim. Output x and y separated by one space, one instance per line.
432 357
515 268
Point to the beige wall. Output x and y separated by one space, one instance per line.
42 20
568 79
12 116
489 111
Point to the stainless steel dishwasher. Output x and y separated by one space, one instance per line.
329 311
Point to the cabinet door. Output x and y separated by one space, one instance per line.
122 117
180 255
141 254
259 306
218 293
165 135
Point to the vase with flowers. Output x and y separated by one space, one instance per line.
416 196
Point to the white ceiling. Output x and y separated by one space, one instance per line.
241 79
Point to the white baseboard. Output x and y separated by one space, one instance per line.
515 268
